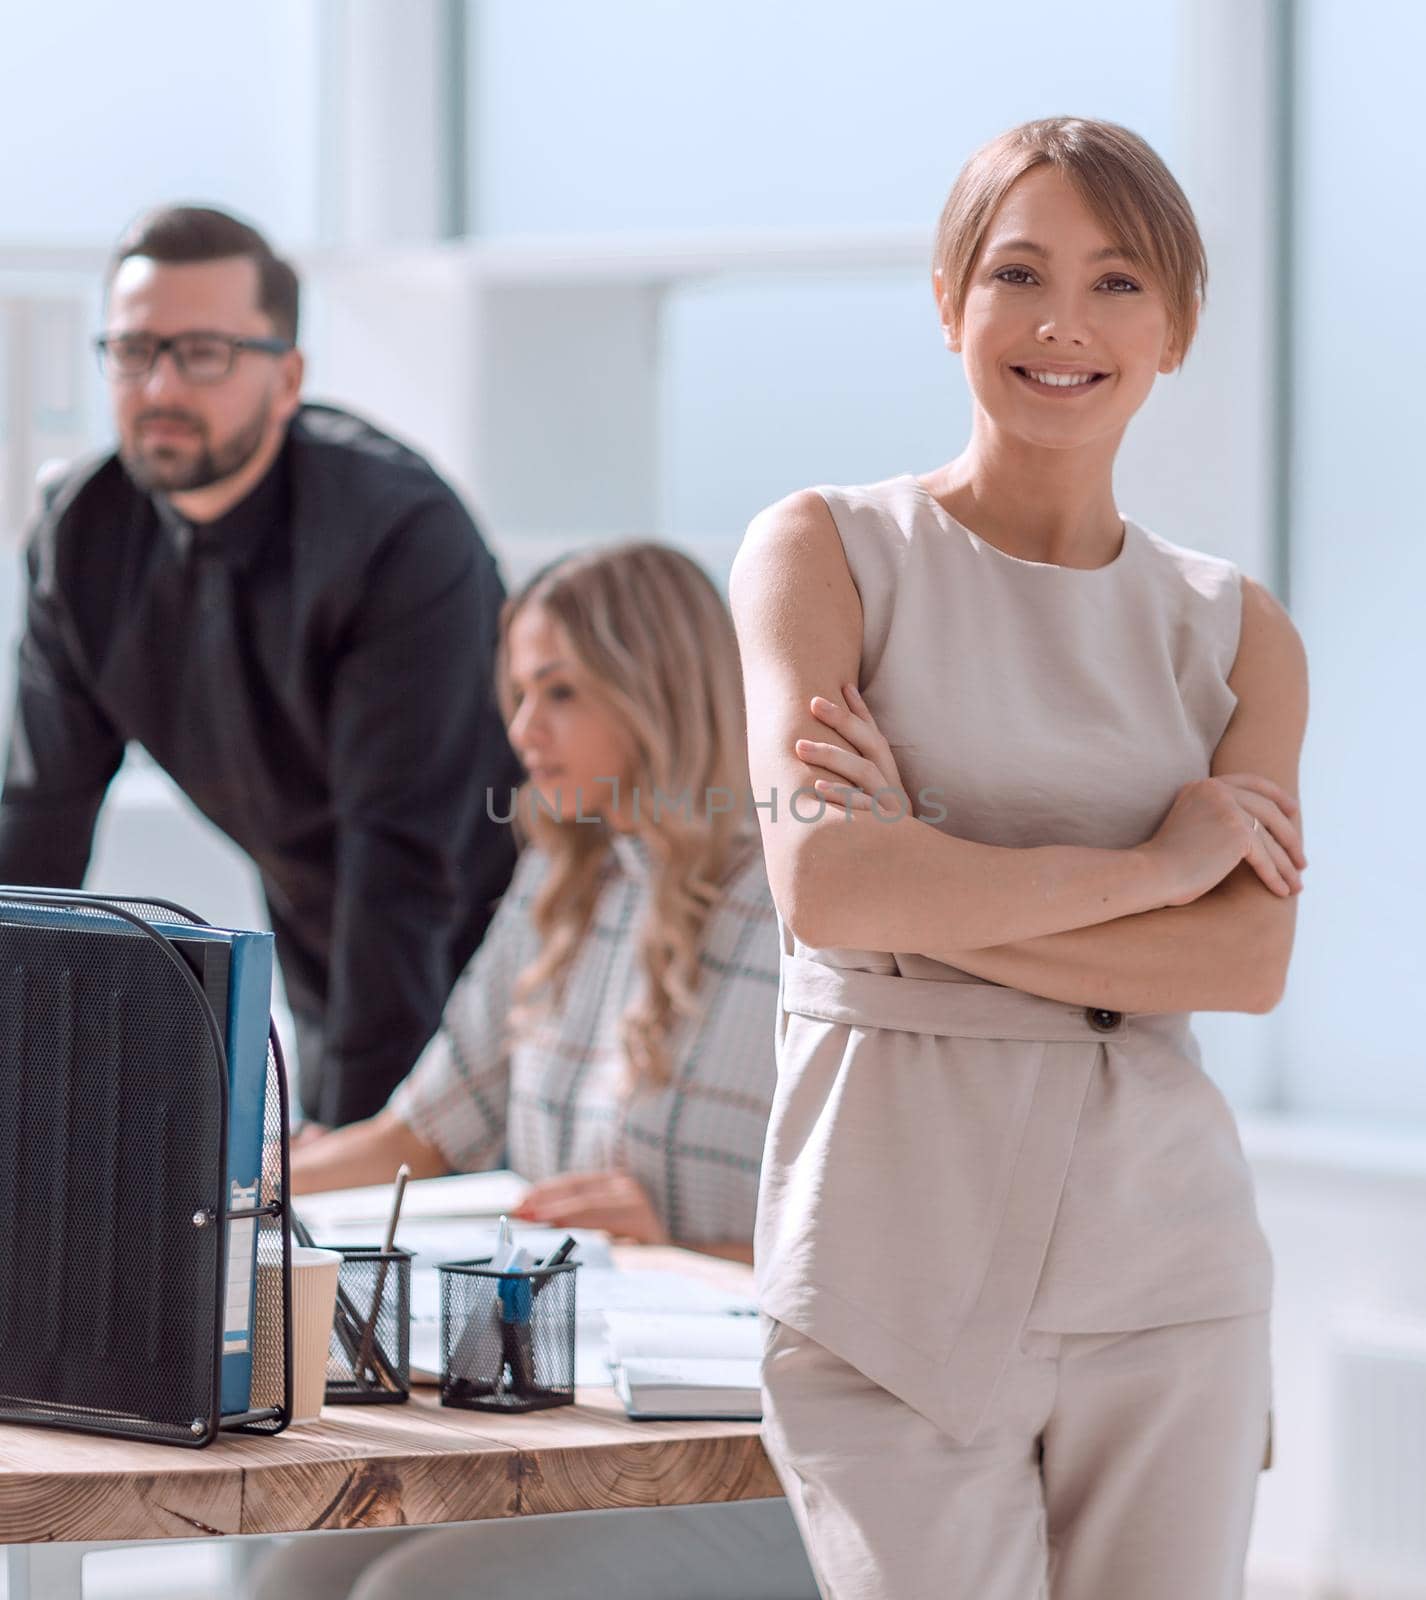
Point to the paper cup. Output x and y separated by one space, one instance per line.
314 1304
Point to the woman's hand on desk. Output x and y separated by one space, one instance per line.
609 1200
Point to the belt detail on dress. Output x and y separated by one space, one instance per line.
925 1005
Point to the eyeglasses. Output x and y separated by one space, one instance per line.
199 357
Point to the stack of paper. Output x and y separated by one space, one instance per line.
686 1364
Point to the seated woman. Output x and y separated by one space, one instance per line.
611 1040
629 977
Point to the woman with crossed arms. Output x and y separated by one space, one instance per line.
1015 1289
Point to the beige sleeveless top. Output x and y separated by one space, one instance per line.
950 1160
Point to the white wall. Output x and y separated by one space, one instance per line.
1359 559
109 108
662 114
631 115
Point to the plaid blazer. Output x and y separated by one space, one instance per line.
555 1100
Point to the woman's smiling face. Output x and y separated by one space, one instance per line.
1072 306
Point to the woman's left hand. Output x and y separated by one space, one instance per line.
868 777
610 1200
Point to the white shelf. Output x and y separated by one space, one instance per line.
1333 1146
626 259
653 259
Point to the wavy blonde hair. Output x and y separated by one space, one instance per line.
656 639
1123 183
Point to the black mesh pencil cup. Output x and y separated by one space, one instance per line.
507 1338
369 1359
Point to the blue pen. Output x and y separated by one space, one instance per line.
516 1347
515 1295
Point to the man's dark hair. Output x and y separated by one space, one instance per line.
183 234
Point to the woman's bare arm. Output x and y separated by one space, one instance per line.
362 1153
1229 949
850 878
1179 958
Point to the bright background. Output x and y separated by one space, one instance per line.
641 267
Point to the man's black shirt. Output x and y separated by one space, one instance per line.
314 670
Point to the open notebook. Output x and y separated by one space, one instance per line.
691 1364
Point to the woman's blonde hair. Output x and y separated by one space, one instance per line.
1128 189
656 639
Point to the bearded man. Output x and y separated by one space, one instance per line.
297 619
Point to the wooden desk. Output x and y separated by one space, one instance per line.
379 1466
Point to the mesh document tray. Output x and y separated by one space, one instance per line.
113 1141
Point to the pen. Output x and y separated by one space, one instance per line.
403 1172
513 1318
556 1256
561 1252
504 1243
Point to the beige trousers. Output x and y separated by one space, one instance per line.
1111 1466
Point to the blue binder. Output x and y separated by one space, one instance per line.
235 968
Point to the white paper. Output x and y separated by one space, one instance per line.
465 1194
680 1336
648 1291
